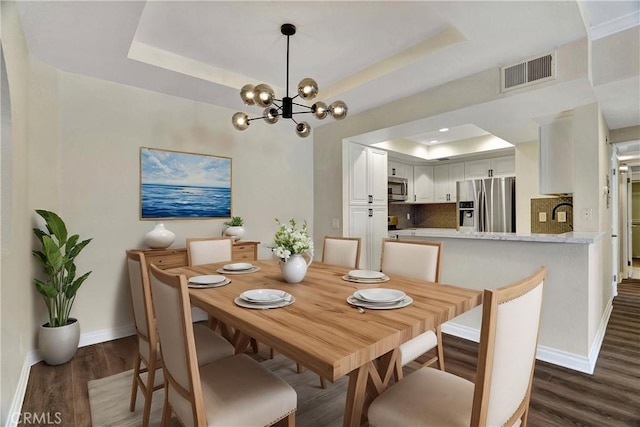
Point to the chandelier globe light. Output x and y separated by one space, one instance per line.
263 96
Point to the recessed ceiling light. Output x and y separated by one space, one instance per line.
444 129
433 141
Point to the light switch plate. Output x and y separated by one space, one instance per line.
562 217
542 217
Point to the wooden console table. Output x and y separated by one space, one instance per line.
177 257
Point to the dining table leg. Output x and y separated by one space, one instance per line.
365 384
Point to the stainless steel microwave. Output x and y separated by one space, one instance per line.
397 189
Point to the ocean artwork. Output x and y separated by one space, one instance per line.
184 185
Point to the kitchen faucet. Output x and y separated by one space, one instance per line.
553 212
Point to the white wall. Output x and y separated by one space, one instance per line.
527 188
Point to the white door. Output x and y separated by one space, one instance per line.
358 220
441 183
613 204
503 166
456 173
378 231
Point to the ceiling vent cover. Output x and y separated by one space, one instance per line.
526 73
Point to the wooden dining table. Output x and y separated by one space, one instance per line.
324 333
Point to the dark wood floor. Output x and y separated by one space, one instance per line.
609 397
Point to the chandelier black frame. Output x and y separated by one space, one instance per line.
264 96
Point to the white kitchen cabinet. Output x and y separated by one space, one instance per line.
367 175
556 156
444 181
369 223
490 168
397 169
422 185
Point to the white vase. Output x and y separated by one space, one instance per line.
294 270
235 231
58 345
159 237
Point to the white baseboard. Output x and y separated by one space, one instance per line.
554 356
105 335
13 416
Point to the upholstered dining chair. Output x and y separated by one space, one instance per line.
210 346
416 259
207 250
506 361
234 391
343 251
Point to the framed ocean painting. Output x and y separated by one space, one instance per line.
177 185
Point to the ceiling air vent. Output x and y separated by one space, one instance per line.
526 73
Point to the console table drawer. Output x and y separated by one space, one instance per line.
166 258
245 251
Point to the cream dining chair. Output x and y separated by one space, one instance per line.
207 250
342 251
415 259
210 346
234 391
506 361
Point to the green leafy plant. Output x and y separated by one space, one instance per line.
235 221
57 258
289 240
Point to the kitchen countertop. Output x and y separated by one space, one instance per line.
581 237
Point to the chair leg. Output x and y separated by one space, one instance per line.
151 376
254 345
271 353
323 383
440 349
299 368
166 409
134 386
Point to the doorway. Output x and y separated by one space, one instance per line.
635 230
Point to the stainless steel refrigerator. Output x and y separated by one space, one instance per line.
487 205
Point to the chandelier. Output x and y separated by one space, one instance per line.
263 95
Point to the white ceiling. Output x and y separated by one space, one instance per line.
366 53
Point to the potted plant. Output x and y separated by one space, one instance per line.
59 337
290 244
234 228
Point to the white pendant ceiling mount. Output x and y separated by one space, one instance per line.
263 95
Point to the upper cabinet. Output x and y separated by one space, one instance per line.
399 170
444 181
367 175
556 156
490 168
422 185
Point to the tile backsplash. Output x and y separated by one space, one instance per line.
545 206
432 215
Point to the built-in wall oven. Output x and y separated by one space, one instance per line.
398 189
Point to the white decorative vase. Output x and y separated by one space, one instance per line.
294 270
235 231
58 345
159 237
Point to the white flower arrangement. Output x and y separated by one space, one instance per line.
289 240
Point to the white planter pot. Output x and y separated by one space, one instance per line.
59 345
294 270
235 231
159 237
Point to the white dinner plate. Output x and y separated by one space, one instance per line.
365 281
238 266
214 285
379 306
246 304
264 296
209 279
366 274
379 295
247 271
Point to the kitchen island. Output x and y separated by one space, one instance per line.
577 297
